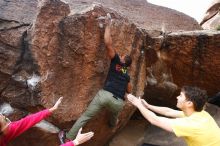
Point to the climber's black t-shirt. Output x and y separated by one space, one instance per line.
117 79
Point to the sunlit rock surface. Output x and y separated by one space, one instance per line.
192 58
211 19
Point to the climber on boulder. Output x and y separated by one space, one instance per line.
112 95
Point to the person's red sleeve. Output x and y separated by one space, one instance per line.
18 127
70 143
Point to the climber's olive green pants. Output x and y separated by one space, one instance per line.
102 99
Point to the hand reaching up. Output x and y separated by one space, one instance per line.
108 19
134 100
81 138
56 105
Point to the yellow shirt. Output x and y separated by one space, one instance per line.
199 129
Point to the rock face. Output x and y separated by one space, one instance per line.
18 12
50 49
189 58
211 19
64 54
73 52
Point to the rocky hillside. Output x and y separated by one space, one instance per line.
143 14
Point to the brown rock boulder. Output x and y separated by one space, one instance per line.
12 52
64 54
192 58
34 137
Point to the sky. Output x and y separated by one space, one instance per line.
193 8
